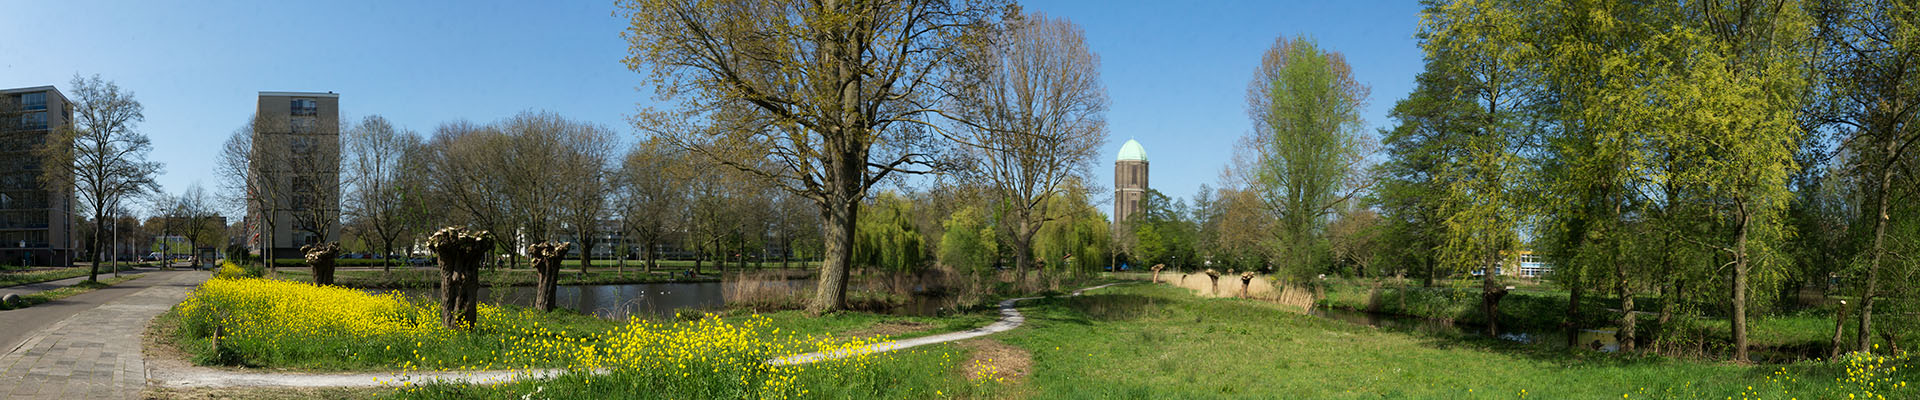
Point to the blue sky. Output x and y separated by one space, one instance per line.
1176 72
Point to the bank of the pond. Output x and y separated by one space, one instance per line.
1539 315
289 325
429 277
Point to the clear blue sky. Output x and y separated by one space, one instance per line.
1176 73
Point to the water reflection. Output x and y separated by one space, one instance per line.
1600 339
655 300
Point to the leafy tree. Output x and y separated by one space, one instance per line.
969 244
1080 240
1482 45
1306 145
1162 232
887 238
1871 54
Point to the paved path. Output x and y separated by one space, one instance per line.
95 352
177 374
1009 318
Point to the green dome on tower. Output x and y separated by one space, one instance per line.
1132 151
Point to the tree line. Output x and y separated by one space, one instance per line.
1718 156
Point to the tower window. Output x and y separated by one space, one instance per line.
305 107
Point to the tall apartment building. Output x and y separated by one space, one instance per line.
296 147
36 224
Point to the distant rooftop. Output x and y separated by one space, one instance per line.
32 89
1132 151
300 94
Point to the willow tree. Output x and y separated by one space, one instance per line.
834 95
1483 46
1032 112
1725 97
1307 141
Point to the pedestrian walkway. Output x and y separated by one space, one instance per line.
94 354
189 376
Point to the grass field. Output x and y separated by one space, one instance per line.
42 297
1150 342
1157 342
43 275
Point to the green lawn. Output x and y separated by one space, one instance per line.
25 277
1157 342
42 297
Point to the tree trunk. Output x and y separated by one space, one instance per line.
1669 297
1879 247
1427 281
323 271
650 259
1740 288
386 258
839 214
459 288
93 271
1490 294
1626 334
1839 329
586 256
1574 295
546 266
1022 252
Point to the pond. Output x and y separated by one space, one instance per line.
1601 339
656 300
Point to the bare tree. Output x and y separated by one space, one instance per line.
462 173
376 198
102 156
649 196
823 99
580 172
1032 111
196 214
248 190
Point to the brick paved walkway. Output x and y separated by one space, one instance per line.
94 354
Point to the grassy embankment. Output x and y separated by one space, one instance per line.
1781 335
22 277
43 297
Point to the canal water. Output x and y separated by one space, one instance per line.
655 300
1601 339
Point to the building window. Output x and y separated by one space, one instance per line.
36 120
34 101
306 107
304 124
